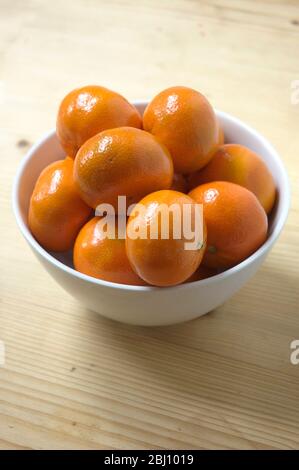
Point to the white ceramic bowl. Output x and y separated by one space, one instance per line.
151 306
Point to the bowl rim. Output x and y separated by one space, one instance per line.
262 250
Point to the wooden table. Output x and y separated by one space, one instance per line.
75 380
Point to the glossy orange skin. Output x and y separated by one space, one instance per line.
86 111
56 211
240 165
236 222
103 258
179 183
123 161
161 262
185 122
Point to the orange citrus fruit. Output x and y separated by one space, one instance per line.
221 137
185 122
121 162
162 260
240 165
236 222
89 110
102 257
56 211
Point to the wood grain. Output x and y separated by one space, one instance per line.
75 380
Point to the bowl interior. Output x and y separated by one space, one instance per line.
48 150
